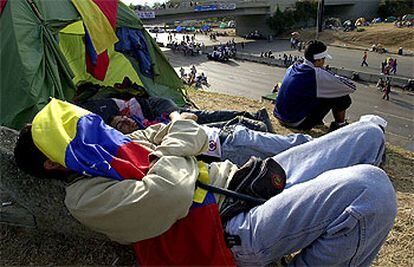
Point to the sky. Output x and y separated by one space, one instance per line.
142 2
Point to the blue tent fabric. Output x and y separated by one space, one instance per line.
205 28
132 42
89 47
179 29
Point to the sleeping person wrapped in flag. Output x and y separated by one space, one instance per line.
138 188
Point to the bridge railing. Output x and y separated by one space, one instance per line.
187 8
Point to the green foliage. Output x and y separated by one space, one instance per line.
280 21
302 12
174 2
395 8
156 5
305 10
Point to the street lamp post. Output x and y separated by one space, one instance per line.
319 18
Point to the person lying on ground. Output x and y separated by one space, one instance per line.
148 111
337 207
308 92
234 140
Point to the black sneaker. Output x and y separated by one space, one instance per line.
260 179
263 116
336 125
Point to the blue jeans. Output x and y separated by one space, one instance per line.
242 143
337 209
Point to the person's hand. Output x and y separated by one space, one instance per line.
175 116
189 116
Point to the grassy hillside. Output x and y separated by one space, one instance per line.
387 34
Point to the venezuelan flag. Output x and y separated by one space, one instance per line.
79 140
99 19
196 240
98 25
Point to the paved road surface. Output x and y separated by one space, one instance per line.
342 57
254 80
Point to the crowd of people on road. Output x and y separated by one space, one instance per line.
223 52
295 43
389 66
379 48
287 59
167 5
188 45
193 77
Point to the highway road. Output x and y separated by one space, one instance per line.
253 80
342 57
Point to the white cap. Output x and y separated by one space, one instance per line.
374 119
322 55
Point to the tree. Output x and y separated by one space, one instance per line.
305 10
174 2
302 12
280 21
156 5
395 8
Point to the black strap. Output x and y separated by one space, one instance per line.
230 193
232 240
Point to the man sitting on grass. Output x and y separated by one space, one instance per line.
308 92
337 207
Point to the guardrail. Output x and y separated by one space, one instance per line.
188 9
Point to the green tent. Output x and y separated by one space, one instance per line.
42 55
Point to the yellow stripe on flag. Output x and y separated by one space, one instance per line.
200 194
100 30
54 127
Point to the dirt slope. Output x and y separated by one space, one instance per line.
387 34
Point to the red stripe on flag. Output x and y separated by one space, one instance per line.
109 8
196 240
98 71
131 161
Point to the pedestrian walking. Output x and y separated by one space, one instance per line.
182 73
383 64
364 59
193 73
387 90
394 66
381 85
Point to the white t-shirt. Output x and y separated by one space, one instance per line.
214 146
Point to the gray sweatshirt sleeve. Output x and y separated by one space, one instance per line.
331 85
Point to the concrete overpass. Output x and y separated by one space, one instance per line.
252 14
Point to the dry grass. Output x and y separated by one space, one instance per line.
22 247
387 34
